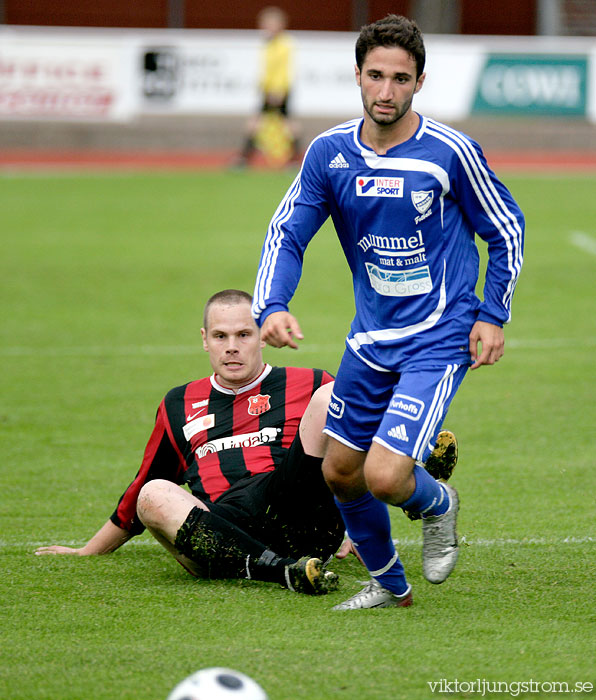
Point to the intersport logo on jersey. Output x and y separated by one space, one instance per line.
379 186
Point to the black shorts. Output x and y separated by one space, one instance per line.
290 510
282 107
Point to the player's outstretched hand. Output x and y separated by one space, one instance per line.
57 549
280 329
347 547
492 341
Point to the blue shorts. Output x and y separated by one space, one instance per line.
403 412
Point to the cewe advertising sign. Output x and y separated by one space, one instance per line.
536 84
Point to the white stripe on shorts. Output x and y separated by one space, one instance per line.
442 394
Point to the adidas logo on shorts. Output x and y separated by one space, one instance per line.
339 161
399 432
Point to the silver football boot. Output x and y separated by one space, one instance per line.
439 547
373 595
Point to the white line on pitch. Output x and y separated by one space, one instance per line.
582 240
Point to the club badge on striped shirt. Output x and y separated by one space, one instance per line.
258 404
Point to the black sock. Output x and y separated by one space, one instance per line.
296 150
223 550
248 149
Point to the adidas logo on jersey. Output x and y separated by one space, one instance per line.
339 161
399 432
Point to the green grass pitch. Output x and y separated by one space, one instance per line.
103 279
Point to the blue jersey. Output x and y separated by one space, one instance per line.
406 222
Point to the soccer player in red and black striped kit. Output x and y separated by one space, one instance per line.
248 443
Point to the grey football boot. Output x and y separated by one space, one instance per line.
439 547
373 595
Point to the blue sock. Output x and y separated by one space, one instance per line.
429 497
368 526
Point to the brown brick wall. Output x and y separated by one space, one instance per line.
475 16
74 13
498 17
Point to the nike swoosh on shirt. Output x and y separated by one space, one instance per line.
194 415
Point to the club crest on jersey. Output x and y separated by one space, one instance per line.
258 404
422 200
379 186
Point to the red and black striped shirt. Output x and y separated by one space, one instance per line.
209 437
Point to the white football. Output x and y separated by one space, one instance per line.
218 684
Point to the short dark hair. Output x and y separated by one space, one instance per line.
226 296
393 30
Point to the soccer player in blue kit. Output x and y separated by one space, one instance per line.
407 195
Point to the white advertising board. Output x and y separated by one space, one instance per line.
452 71
65 76
122 74
217 73
197 72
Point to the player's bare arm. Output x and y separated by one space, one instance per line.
107 539
491 340
281 329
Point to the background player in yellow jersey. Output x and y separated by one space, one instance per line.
271 130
